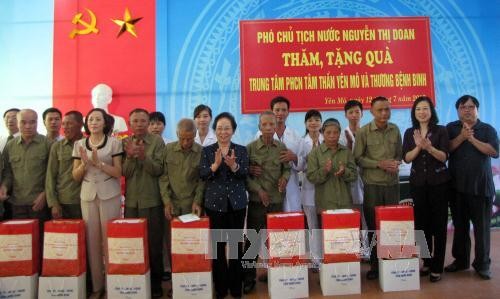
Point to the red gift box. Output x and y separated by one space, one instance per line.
395 232
190 245
286 238
64 248
128 246
19 247
340 236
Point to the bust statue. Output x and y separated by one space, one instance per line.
102 95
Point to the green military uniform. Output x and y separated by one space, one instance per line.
143 199
380 188
60 187
330 191
374 144
25 168
180 183
143 190
267 157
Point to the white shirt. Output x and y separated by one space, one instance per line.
293 142
307 192
3 140
357 185
209 139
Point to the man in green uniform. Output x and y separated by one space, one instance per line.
181 186
142 167
25 167
378 152
63 192
267 191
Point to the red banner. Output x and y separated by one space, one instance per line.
323 63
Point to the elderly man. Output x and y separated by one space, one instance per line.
181 187
142 167
63 193
378 153
280 106
267 190
180 184
25 167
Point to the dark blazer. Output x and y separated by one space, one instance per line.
224 186
426 169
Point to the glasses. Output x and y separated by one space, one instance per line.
467 107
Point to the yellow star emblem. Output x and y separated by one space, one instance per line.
127 24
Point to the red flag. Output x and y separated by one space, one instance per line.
125 63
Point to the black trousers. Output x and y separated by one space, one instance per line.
466 208
156 226
227 274
431 216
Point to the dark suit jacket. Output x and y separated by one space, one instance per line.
224 186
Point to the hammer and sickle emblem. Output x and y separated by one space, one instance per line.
89 28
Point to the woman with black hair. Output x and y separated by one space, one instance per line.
426 146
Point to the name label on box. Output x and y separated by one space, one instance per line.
126 250
189 240
395 233
61 246
14 248
341 241
287 243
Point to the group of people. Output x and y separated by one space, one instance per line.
205 173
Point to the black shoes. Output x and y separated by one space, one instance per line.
435 277
454 267
166 276
484 274
248 285
157 293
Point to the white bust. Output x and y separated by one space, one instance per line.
102 95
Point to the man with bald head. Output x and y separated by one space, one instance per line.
25 165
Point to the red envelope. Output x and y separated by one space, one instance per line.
19 247
128 246
286 238
395 232
64 251
340 236
190 245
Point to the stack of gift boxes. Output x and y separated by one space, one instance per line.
191 263
340 270
396 249
128 259
19 258
64 260
287 272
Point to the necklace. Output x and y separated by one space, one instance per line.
98 144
